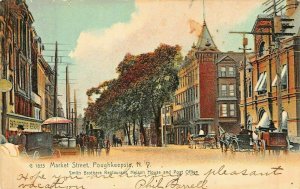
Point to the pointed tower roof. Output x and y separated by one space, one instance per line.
205 40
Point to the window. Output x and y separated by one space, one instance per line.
261 84
261 48
223 90
223 110
37 113
22 76
231 90
250 88
223 72
262 88
10 58
231 72
232 110
284 77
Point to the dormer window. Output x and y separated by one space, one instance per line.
261 49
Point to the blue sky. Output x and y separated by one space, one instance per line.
101 32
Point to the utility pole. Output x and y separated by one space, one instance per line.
55 81
75 112
278 27
245 43
67 93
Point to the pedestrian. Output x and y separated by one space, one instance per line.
182 138
21 138
81 144
142 139
107 145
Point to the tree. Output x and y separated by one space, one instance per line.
144 84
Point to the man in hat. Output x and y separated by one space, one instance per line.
21 138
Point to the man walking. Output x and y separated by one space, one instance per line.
21 138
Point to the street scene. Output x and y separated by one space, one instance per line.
176 84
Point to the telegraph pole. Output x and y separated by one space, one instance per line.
75 112
55 81
245 43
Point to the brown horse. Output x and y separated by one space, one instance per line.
92 145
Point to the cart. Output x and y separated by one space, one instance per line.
39 145
275 141
204 141
242 143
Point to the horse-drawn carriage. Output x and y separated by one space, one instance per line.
252 141
274 141
39 145
204 141
242 142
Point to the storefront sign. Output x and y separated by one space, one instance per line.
29 126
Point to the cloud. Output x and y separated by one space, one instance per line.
98 52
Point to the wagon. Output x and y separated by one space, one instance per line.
205 141
40 145
242 142
275 141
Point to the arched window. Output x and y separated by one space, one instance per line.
249 122
261 48
249 88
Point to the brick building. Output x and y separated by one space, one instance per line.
262 95
31 98
195 99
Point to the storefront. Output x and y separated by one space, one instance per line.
30 124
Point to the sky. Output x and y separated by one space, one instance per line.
94 35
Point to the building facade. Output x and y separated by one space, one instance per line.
28 103
228 82
195 98
263 97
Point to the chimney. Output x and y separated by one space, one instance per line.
291 6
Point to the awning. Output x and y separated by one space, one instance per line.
284 119
283 76
263 84
261 76
264 121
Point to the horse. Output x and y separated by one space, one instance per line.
224 139
93 144
116 141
